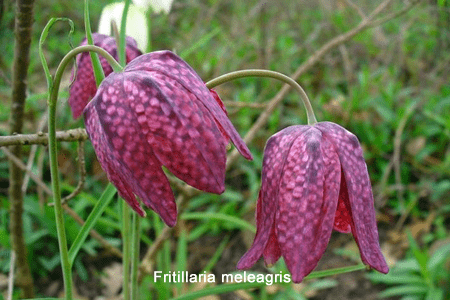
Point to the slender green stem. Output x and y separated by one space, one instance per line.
52 100
335 271
126 250
42 39
272 74
135 243
128 254
149 29
69 56
122 34
61 232
97 66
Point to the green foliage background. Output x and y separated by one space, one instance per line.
389 85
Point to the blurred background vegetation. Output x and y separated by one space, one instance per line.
389 85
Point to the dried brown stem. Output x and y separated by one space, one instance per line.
113 250
78 134
71 212
33 152
22 31
81 172
306 66
357 8
397 161
27 170
146 264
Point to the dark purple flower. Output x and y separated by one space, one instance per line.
83 88
158 112
314 179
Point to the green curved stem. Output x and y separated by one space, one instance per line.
126 238
96 65
271 74
53 95
122 35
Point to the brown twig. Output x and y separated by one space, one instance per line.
357 8
113 250
71 212
28 171
12 264
40 167
22 33
146 263
395 14
397 161
262 120
81 172
33 151
72 135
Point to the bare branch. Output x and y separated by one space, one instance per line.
357 8
71 212
23 167
113 250
72 135
22 32
33 151
303 68
12 268
394 14
81 172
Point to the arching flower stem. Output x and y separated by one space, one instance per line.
53 84
271 74
96 65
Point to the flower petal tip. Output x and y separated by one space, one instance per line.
243 264
247 154
142 213
382 267
171 223
297 278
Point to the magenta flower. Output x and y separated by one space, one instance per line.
158 112
314 179
83 88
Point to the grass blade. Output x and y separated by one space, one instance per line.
239 223
103 202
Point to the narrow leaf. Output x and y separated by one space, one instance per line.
219 216
103 202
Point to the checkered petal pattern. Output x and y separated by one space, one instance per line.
146 118
314 180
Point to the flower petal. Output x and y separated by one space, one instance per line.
364 225
343 217
307 204
222 106
141 169
84 87
272 251
172 66
275 153
180 130
106 159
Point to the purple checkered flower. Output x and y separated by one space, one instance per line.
83 88
314 180
158 112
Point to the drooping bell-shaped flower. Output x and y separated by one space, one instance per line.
314 180
84 87
158 112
